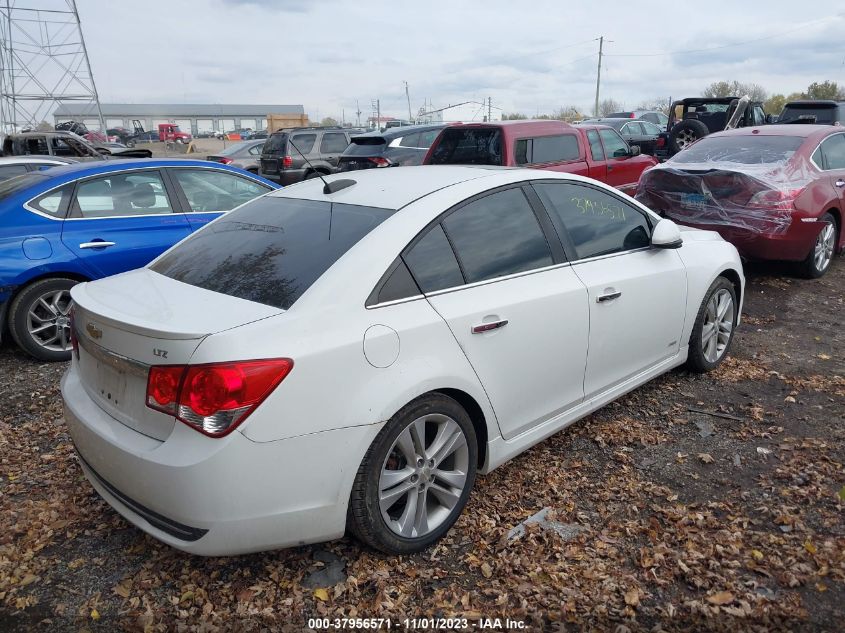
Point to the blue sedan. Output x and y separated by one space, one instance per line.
90 220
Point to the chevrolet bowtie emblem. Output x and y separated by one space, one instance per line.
93 331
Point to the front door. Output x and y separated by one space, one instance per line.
636 294
623 170
518 313
122 221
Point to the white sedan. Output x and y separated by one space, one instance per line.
349 356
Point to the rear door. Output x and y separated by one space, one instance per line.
122 221
206 193
494 270
636 294
332 146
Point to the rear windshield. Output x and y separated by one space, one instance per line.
275 143
235 149
823 115
748 150
15 184
270 250
468 146
365 146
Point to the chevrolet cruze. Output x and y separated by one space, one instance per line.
349 354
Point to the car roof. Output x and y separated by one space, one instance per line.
82 169
800 130
404 130
690 100
824 103
389 188
20 160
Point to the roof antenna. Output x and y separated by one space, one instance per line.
328 187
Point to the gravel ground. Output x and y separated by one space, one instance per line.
695 503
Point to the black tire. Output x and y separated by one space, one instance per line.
364 517
130 143
685 132
19 309
809 268
697 360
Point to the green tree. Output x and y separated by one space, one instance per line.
328 121
514 116
825 90
774 104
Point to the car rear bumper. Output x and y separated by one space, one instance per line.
792 245
285 177
216 497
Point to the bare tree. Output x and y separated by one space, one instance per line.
656 104
513 116
608 106
735 89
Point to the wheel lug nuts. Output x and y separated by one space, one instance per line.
420 462
414 478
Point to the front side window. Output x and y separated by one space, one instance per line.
597 223
497 235
124 194
271 250
596 150
333 143
209 190
614 146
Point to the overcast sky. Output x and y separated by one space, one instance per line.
529 57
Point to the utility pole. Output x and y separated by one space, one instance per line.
489 109
598 75
357 113
408 97
378 114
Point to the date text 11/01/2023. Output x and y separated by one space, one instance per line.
410 624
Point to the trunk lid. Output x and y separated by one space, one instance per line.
127 323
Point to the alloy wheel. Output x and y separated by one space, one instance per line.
823 250
48 320
423 476
684 138
718 325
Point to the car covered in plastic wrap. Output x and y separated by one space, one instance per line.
776 192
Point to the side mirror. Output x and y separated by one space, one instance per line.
666 235
635 150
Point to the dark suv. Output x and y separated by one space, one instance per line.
695 117
283 158
395 147
819 112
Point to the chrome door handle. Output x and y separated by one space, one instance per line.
840 183
96 244
486 327
610 296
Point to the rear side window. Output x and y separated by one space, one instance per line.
54 203
275 143
596 150
596 222
432 262
304 143
468 146
332 143
831 152
497 235
411 140
547 149
271 250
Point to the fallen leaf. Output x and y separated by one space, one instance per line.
29 579
632 597
810 547
486 570
842 493
321 594
95 615
756 554
706 458
122 590
824 356
721 597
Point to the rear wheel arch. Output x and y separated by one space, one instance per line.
476 415
837 215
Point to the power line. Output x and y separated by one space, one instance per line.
716 48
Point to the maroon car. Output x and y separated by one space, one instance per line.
775 192
596 151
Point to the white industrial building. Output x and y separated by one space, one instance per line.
194 118
466 112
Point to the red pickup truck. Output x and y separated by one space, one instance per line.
596 151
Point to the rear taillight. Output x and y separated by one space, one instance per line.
380 161
214 399
287 162
225 160
774 199
661 142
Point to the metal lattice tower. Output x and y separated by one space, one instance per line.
43 61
